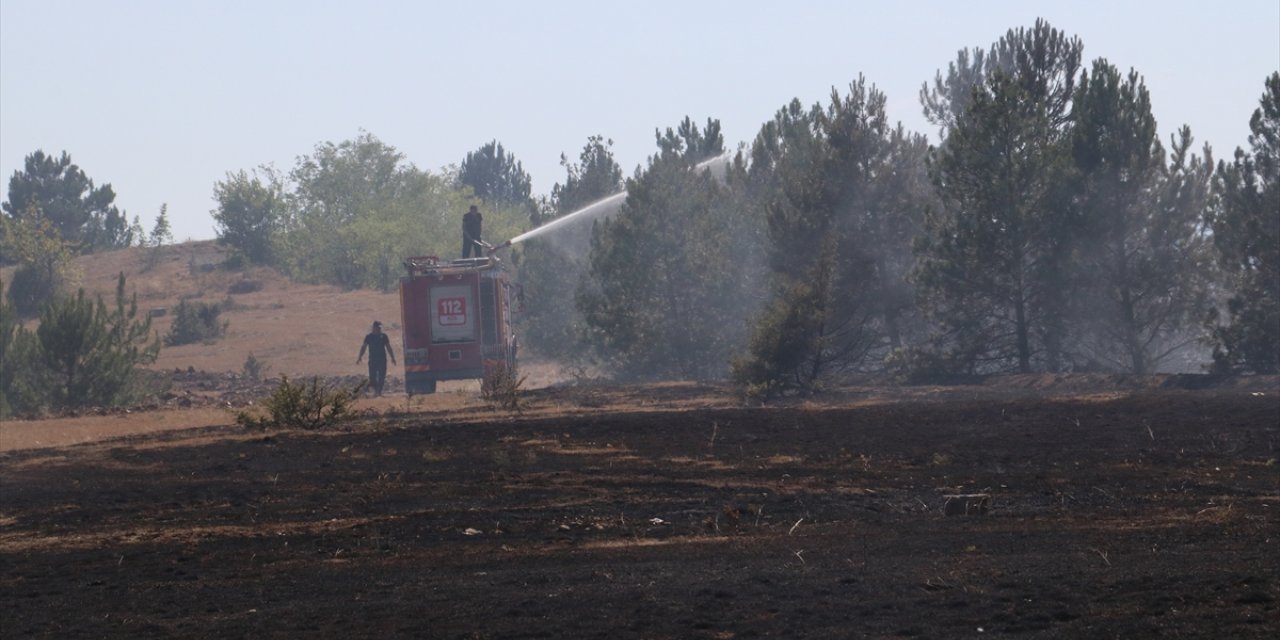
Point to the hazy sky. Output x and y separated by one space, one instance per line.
163 98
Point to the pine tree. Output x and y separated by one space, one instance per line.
791 337
991 263
57 190
1245 218
160 236
161 232
839 175
496 176
596 175
87 354
16 394
877 188
1141 255
663 295
136 236
787 171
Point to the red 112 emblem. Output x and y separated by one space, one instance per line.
451 311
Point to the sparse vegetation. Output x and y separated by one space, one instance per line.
501 386
304 405
245 285
254 369
161 236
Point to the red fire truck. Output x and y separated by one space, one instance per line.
457 319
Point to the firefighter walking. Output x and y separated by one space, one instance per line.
379 347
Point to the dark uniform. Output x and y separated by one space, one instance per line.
471 223
379 347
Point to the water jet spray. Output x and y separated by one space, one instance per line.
605 207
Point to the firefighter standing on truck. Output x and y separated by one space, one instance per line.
471 222
379 347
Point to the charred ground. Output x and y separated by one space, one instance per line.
668 512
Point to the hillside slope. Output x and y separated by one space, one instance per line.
295 329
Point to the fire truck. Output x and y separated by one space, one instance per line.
456 319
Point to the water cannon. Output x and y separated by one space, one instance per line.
490 249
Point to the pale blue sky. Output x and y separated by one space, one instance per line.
161 98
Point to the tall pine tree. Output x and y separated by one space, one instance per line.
664 293
57 190
87 354
1141 252
1245 219
991 263
497 177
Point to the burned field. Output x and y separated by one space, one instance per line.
1132 514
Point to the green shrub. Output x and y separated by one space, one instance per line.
305 405
43 260
195 322
786 347
792 337
81 355
33 287
18 393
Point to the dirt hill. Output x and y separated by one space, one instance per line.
296 329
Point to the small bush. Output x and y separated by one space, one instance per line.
305 405
235 261
195 322
501 386
200 268
254 368
245 286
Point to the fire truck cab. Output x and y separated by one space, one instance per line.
456 317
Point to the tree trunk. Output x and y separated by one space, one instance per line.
1137 355
1024 341
1020 315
